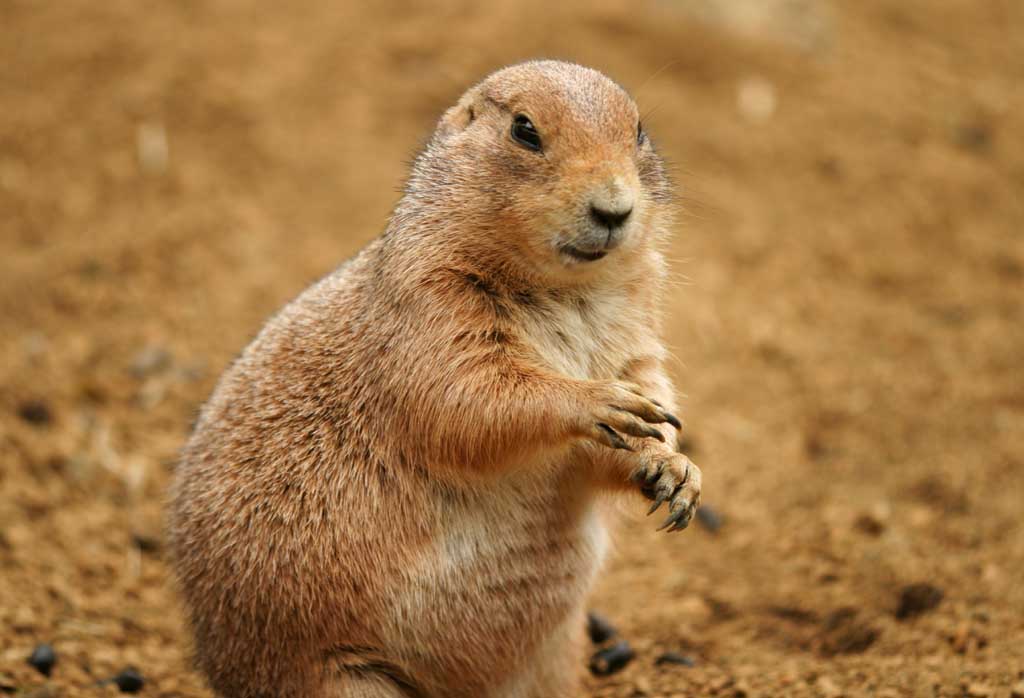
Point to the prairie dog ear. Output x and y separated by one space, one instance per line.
460 116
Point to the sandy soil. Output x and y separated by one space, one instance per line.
848 317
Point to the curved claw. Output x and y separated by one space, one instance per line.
613 438
658 501
664 494
650 417
679 526
678 519
640 430
654 434
672 419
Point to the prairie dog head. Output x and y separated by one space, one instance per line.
549 159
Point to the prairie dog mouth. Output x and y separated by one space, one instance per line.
582 255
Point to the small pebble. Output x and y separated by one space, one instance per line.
756 99
1017 691
599 629
129 680
709 518
827 688
978 690
675 658
150 360
641 687
151 147
916 599
42 659
845 632
611 659
869 524
967 639
35 412
974 136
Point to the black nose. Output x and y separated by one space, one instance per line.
609 219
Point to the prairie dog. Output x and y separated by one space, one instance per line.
395 490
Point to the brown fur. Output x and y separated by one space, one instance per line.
394 490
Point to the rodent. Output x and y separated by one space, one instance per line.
396 489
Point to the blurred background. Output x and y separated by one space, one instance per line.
847 316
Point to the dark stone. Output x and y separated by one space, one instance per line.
674 658
611 659
794 614
974 136
871 525
844 632
709 518
42 659
916 599
129 680
35 412
599 629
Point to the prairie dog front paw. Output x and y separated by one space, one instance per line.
617 408
673 478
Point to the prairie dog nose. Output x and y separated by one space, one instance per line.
610 218
611 204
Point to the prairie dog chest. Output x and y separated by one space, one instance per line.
584 336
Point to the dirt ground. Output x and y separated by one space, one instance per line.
848 321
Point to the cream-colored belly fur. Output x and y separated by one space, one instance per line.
513 560
510 565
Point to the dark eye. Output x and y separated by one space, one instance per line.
524 133
641 135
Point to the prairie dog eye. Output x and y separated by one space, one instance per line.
641 135
525 133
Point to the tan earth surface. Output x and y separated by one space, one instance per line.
848 320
